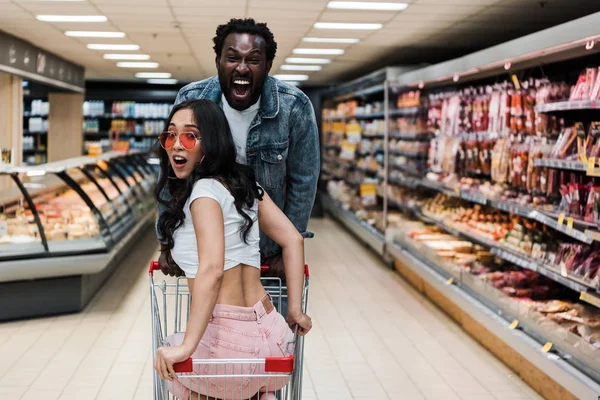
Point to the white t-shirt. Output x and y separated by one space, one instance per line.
239 122
185 249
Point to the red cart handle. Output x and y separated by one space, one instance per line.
154 266
184 366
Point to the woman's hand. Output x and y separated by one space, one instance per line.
166 357
302 320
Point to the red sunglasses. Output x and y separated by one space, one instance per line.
186 139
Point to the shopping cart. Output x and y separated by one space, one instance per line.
176 296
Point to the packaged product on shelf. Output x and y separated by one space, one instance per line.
409 99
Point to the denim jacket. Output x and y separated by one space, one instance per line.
282 147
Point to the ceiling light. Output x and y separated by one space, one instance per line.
345 25
71 18
330 52
421 85
162 81
301 60
363 5
124 47
95 34
507 65
293 83
456 78
134 64
126 57
329 40
151 75
296 78
301 67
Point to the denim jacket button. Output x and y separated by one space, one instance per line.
279 157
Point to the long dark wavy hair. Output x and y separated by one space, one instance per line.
219 163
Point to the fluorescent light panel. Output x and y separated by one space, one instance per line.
71 18
152 75
287 77
95 34
363 5
330 52
126 57
329 40
162 81
123 47
302 60
348 26
134 64
301 67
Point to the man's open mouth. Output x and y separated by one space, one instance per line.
241 87
179 161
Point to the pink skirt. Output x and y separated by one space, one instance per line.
236 333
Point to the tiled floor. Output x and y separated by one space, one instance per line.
373 338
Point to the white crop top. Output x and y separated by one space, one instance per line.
185 249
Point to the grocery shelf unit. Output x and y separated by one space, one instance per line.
129 114
65 225
35 130
353 140
553 356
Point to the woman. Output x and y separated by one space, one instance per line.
211 227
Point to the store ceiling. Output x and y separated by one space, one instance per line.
178 33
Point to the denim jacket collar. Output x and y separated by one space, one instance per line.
269 100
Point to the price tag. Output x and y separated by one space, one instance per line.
591 162
3 228
547 347
590 299
450 281
561 219
583 158
513 325
569 224
516 82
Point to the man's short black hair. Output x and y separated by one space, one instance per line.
249 26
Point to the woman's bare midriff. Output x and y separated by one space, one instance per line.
240 286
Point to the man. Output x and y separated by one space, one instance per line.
273 126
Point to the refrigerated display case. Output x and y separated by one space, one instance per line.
69 220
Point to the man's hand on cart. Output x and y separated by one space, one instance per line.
302 320
166 263
166 357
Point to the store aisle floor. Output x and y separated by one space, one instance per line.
374 338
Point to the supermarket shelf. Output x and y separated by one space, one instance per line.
511 255
368 171
399 112
105 134
34 151
369 153
109 117
409 154
368 234
424 136
555 367
576 230
375 136
34 133
27 114
560 164
408 169
409 183
568 106
341 178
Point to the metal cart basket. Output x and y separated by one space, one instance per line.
170 305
